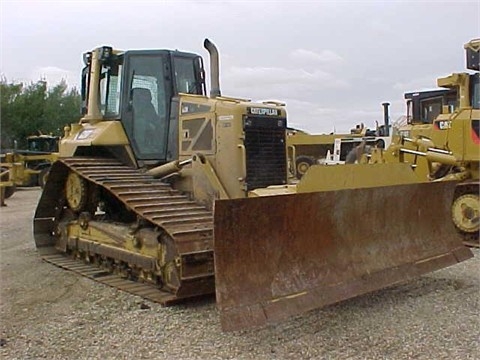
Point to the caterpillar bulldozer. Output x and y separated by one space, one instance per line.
167 193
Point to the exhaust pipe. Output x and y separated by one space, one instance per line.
386 118
214 68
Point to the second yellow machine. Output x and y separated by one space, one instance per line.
186 195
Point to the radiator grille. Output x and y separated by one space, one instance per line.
265 152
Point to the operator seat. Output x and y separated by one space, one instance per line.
142 103
145 118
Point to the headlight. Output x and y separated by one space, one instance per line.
85 134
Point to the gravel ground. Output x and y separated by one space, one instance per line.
51 313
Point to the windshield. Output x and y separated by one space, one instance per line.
475 90
110 85
146 119
150 79
186 80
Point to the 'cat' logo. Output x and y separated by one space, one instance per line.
443 124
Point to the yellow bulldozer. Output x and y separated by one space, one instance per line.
168 193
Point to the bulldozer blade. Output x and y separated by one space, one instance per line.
279 256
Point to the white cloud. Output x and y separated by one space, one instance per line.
273 76
315 118
379 26
417 84
326 60
54 75
308 56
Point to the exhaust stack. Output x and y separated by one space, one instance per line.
386 118
214 68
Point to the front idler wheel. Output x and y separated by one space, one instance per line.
76 192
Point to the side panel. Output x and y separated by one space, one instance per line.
472 143
279 256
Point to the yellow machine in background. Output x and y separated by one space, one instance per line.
186 194
28 167
442 141
305 150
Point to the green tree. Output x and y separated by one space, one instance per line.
28 109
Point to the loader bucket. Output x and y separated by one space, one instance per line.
278 256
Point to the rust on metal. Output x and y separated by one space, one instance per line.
279 256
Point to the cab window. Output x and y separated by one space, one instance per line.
186 81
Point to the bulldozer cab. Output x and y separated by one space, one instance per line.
459 92
136 87
424 106
431 110
458 130
475 90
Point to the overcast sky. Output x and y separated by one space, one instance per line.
332 62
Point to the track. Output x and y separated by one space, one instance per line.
103 276
183 225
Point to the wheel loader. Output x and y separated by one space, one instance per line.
442 140
167 193
27 167
30 166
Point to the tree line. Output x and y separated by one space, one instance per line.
28 109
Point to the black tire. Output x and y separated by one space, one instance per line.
32 181
9 191
43 176
302 163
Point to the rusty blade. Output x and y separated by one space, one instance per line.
279 256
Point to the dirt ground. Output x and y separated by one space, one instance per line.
28 285
47 312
